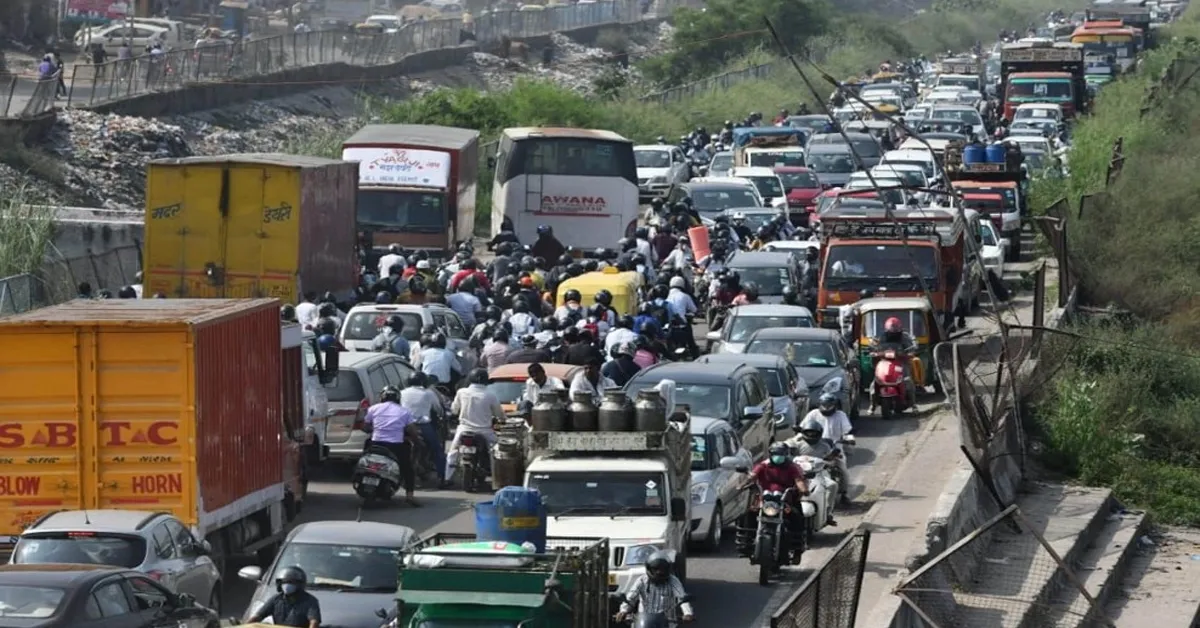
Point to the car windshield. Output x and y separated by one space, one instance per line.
700 453
608 493
367 325
26 602
967 116
82 548
798 352
721 162
506 390
871 266
926 166
969 82
742 327
343 567
772 159
652 158
799 180
703 400
768 186
722 199
986 235
348 389
816 123
770 281
828 163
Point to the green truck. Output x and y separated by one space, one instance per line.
452 580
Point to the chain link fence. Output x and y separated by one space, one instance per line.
221 60
711 84
59 280
22 97
829 598
20 293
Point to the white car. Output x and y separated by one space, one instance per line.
390 23
992 248
768 184
915 156
1038 111
964 114
658 167
1036 143
721 164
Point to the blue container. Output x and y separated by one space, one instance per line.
997 154
515 515
973 154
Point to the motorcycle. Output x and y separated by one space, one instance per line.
772 542
376 475
474 462
892 390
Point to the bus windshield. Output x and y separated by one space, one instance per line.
397 210
1054 89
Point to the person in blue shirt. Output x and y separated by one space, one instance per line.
645 323
391 338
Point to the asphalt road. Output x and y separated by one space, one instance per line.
724 585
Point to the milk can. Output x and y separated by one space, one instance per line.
616 412
650 411
584 415
508 469
549 413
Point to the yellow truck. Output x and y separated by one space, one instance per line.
177 405
253 225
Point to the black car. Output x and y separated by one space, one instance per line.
819 355
93 596
737 394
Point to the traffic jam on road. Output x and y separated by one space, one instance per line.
324 386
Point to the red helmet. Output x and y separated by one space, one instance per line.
892 325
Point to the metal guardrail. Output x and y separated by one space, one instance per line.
224 61
22 97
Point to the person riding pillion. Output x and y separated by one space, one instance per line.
391 338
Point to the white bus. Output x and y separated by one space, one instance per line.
581 182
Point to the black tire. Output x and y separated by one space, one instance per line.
712 543
765 553
855 402
681 567
214 598
885 407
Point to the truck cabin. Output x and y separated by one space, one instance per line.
899 253
1053 87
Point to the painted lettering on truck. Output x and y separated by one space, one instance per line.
62 435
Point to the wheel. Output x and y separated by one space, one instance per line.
854 411
713 542
766 558
214 598
1014 249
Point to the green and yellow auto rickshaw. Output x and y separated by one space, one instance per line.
918 319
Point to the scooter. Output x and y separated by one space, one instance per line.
892 390
376 475
817 507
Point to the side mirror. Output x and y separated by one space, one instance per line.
678 509
752 413
380 613
185 600
1005 243
733 463
713 336
251 572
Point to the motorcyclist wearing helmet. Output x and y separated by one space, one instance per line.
507 234
291 605
394 256
439 362
621 368
547 245
810 441
778 473
762 237
748 295
482 333
287 313
477 408
837 430
790 296
740 228
604 299
571 311
658 591
894 337
391 338
393 427
662 242
622 333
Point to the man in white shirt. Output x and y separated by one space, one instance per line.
591 381
476 408
621 334
681 301
421 401
539 382
837 428
307 311
393 256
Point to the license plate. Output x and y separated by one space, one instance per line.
467 450
370 481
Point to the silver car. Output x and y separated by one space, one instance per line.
365 321
361 377
154 543
351 568
744 320
718 498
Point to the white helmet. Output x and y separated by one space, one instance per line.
739 216
678 282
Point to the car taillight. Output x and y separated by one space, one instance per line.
158 576
359 418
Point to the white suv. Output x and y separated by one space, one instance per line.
365 321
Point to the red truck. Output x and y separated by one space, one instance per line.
416 185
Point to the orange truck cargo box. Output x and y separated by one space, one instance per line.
158 405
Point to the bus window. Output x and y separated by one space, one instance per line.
565 156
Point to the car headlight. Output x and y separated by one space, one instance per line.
639 554
991 259
699 492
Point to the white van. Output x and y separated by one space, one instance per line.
140 35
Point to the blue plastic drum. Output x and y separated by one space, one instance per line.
515 515
974 154
997 153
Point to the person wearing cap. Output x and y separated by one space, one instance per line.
528 352
590 380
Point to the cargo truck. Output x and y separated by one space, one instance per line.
176 405
1043 71
632 487
253 225
417 185
448 580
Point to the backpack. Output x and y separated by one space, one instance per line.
660 312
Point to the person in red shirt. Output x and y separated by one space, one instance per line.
776 473
469 268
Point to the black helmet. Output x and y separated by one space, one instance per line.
479 376
572 295
789 295
565 260
779 453
396 322
549 323
751 291
328 297
625 321
287 313
493 313
290 575
865 293
603 297
328 326
127 292
383 297
658 567
657 203
389 393
828 404
327 309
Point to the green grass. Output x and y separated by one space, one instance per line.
1127 415
25 233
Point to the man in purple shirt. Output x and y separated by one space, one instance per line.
394 428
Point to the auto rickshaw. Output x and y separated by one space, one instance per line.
917 317
623 286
